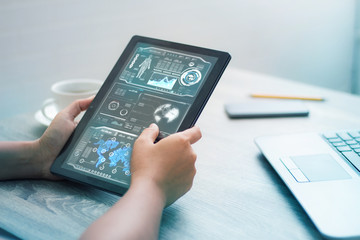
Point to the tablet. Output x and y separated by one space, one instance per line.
154 81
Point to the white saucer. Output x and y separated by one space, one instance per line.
48 114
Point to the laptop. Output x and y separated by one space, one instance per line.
322 170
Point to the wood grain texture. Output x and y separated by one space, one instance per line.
236 194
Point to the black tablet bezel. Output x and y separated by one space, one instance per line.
191 117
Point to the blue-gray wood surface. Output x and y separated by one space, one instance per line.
236 194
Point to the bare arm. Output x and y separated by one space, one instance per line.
16 160
161 173
136 215
32 159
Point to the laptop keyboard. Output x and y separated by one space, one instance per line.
347 144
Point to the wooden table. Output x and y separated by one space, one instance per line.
236 194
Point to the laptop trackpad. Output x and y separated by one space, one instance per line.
320 167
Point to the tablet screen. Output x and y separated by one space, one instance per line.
156 84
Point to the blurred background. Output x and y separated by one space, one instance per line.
41 42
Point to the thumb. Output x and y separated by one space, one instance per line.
150 133
78 106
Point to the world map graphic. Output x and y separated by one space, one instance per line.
107 150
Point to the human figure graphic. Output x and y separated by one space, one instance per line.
144 66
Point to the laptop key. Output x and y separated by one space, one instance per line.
337 139
349 142
353 158
338 144
355 146
344 136
330 135
344 149
354 134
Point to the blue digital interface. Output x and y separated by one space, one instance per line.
156 85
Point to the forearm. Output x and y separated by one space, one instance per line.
16 160
137 215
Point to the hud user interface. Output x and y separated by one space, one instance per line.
157 85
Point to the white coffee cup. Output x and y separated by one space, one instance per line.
67 91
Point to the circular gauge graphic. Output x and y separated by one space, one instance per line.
113 105
123 112
190 77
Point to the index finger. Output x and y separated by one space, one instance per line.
193 134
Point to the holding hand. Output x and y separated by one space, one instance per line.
161 173
32 159
55 137
169 164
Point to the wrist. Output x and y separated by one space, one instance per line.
42 159
36 159
31 159
28 165
150 191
